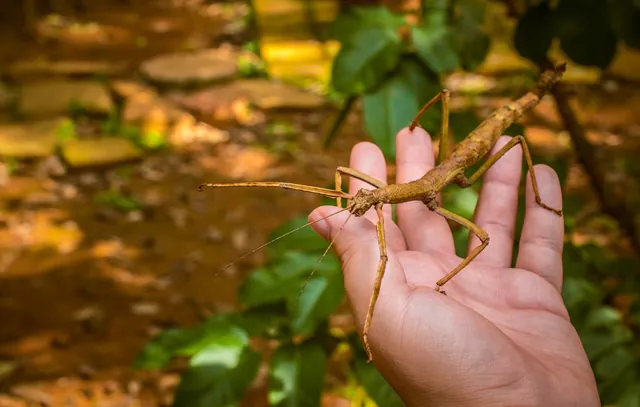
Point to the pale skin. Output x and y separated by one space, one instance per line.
502 335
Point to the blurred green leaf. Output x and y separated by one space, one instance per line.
462 201
611 365
219 374
603 317
345 27
631 398
284 278
596 344
471 41
320 298
394 104
66 131
534 32
157 353
118 200
584 32
426 85
461 123
265 321
362 63
434 44
375 385
296 375
577 291
614 391
153 140
461 241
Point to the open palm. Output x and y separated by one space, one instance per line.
501 336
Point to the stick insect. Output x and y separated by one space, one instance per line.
449 170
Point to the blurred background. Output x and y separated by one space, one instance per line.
112 112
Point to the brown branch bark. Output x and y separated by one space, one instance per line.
614 206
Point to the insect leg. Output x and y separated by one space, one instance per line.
382 243
445 96
477 230
355 174
464 182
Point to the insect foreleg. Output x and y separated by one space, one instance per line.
355 174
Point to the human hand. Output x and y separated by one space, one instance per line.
502 335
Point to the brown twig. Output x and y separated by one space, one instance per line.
611 204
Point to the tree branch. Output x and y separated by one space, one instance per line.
614 206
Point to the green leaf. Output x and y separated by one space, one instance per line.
426 85
362 63
625 20
276 283
596 344
157 353
354 19
267 321
584 32
462 202
534 33
471 41
435 45
394 104
461 241
578 291
610 366
376 386
320 298
631 398
305 239
218 375
574 266
603 317
614 391
462 123
296 375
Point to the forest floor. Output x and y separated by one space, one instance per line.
103 243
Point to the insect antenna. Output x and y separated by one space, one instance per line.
276 239
323 256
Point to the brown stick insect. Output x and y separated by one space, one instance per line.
449 170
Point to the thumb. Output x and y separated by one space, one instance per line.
357 247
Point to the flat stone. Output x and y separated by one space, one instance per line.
53 97
263 93
32 140
143 103
191 68
103 151
42 67
267 95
